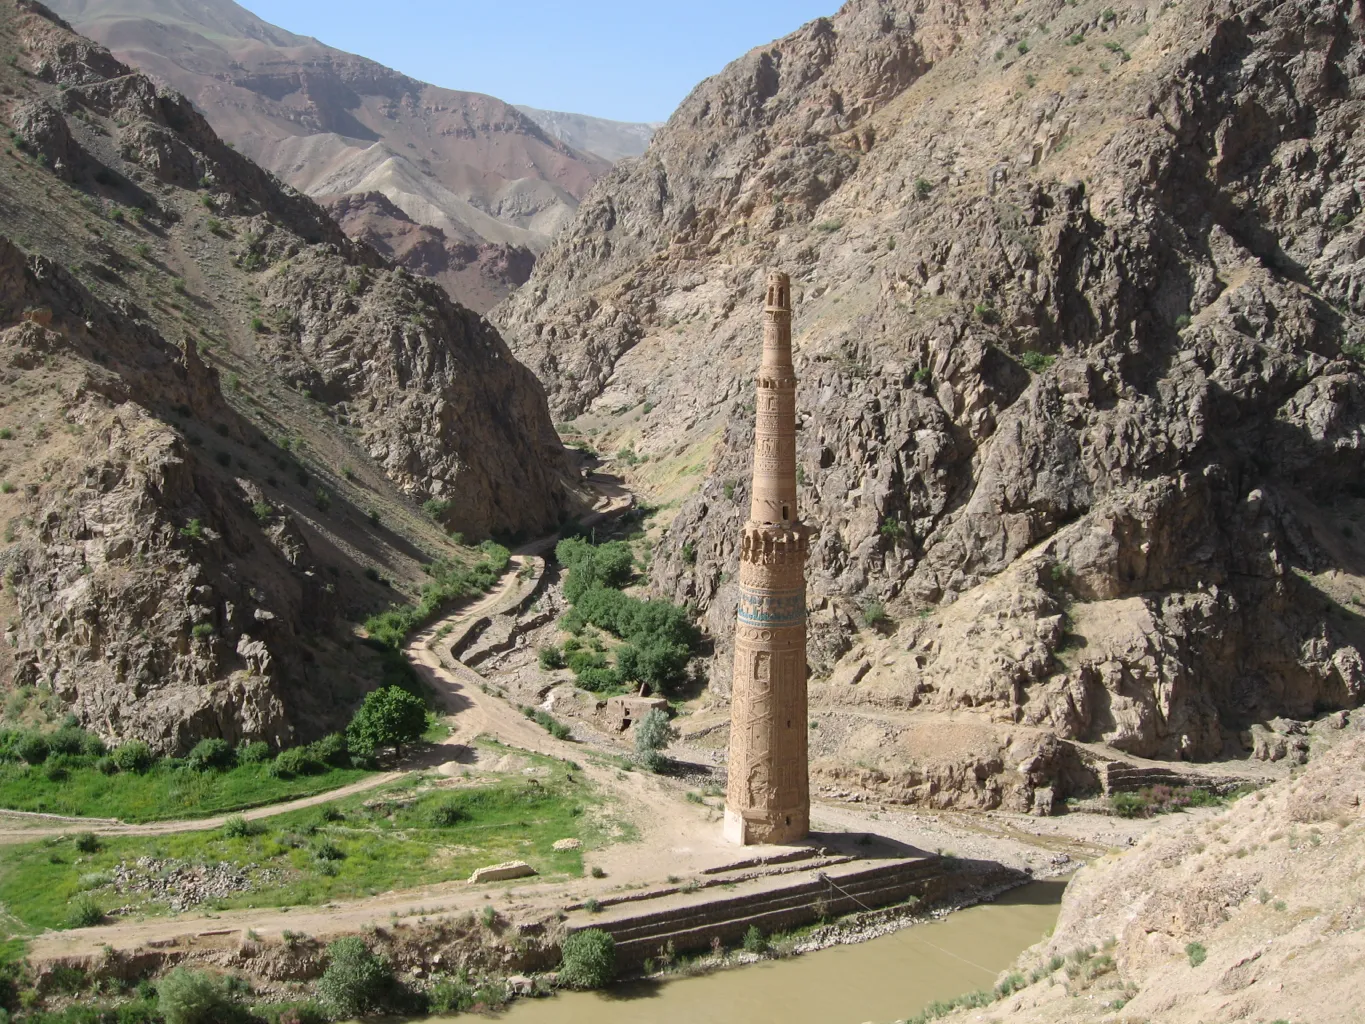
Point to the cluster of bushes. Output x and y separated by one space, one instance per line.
450 581
356 982
1161 800
70 747
659 636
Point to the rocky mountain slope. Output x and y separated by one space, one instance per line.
218 418
330 122
1256 914
611 140
1079 329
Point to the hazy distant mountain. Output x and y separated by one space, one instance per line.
329 122
611 140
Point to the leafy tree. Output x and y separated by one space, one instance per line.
605 565
390 717
356 980
588 959
652 734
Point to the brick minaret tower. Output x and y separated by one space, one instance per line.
768 797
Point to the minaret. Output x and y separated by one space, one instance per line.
768 796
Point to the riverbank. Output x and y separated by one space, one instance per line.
842 973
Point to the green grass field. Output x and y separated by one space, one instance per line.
164 792
417 831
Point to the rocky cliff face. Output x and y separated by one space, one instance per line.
611 140
217 419
1079 329
480 276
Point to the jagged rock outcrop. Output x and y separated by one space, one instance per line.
478 276
139 577
189 538
1079 331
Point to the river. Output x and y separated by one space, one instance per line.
881 980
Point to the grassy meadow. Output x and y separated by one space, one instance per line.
416 831
166 791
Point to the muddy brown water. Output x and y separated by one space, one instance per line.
885 979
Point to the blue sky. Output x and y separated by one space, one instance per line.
631 61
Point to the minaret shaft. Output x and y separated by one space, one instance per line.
768 796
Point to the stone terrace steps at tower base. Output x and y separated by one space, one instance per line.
775 903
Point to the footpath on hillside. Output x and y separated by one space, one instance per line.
522 576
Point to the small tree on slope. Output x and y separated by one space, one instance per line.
652 734
390 717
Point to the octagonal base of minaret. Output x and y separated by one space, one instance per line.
766 830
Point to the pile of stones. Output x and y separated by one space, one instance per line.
181 884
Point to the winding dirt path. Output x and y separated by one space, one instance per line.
673 834
471 718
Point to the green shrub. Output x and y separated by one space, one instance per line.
193 530
33 748
67 740
874 614
106 766
237 827
923 188
450 580
332 749
202 630
83 912
186 996
450 995
356 981
87 842
754 942
550 657
1035 362
588 959
210 755
447 814
1128 805
255 752
1013 982
550 724
652 734
1196 952
296 761
133 756
328 851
